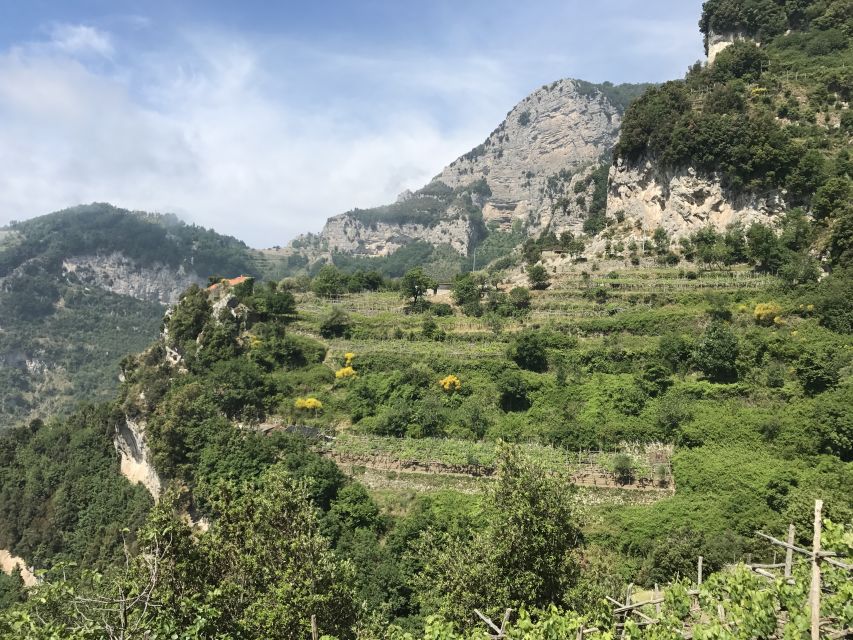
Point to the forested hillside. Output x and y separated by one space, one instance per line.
733 370
82 288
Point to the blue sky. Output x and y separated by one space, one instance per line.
261 119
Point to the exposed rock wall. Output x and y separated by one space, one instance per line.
119 274
9 564
681 201
131 445
557 127
717 42
555 134
347 234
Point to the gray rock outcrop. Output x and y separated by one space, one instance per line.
562 127
529 163
681 202
117 273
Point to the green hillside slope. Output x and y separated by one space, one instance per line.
62 334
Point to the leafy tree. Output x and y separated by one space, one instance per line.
519 297
623 468
537 275
512 392
717 352
415 284
675 350
529 351
270 303
817 371
189 316
763 247
834 193
521 556
841 240
742 60
465 290
329 282
254 574
661 240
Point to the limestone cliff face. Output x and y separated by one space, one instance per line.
131 445
717 42
119 274
347 234
681 201
9 564
562 127
526 170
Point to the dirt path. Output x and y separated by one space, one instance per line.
9 564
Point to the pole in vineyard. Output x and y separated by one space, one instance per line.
814 598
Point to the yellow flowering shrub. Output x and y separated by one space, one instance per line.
348 358
450 383
766 312
345 372
309 404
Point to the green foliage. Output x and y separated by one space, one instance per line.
537 275
66 472
717 352
415 284
329 282
520 557
513 390
337 324
465 290
834 301
817 371
189 316
619 95
742 60
528 350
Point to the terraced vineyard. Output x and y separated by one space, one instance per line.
645 467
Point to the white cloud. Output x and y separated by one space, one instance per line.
80 39
207 134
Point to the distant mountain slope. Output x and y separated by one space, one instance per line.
81 288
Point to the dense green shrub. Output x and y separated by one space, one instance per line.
336 324
717 352
528 350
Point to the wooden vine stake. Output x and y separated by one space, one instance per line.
814 596
314 633
789 552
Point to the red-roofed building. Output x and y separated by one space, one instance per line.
228 283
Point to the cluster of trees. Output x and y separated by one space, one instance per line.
330 281
476 295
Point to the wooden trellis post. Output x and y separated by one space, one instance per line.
789 552
814 596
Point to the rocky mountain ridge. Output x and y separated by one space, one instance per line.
524 171
539 169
